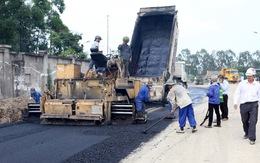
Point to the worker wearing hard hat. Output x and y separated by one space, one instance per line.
125 56
179 96
95 47
248 95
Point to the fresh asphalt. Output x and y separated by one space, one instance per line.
31 142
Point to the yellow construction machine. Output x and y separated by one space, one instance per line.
99 98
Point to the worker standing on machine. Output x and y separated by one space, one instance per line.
143 96
35 95
125 56
94 48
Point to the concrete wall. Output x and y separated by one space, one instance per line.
20 71
6 73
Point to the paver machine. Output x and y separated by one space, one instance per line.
98 99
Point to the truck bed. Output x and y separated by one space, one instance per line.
151 41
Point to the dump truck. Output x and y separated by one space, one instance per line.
95 100
230 74
180 75
154 45
210 73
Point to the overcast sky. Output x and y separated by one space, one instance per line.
208 24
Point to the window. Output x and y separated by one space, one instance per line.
27 79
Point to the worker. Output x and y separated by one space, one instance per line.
35 95
224 105
125 56
248 94
95 47
179 96
214 101
143 96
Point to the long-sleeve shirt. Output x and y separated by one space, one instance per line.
36 96
225 87
178 95
143 94
247 92
213 94
125 52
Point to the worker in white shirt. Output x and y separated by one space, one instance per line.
224 105
179 96
95 47
248 94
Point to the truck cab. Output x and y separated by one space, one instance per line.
231 74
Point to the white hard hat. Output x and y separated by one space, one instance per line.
250 72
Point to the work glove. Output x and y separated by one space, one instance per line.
171 108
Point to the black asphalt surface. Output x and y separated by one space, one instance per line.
30 142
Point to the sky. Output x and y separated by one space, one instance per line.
209 24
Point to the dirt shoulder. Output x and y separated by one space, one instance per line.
10 109
225 144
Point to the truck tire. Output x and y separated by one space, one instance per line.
164 99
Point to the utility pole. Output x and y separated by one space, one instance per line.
107 34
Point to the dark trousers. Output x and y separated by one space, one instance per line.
216 108
224 107
249 114
124 67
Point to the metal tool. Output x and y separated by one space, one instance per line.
145 131
206 117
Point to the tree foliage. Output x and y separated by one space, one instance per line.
30 26
218 60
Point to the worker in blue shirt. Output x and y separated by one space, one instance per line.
143 95
35 95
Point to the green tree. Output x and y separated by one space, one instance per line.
245 59
208 62
256 59
27 26
195 64
185 53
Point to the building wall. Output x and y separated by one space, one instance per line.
20 71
